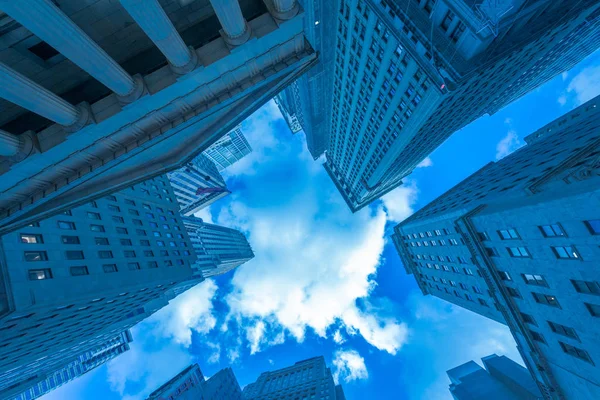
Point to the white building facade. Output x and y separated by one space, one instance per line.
231 148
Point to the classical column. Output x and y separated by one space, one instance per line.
236 30
150 16
285 9
22 91
17 147
50 24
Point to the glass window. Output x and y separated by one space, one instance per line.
105 254
576 352
111 198
483 236
114 208
152 264
129 253
546 299
508 234
147 206
180 262
587 287
138 222
31 238
518 252
97 228
537 336
122 230
156 234
532 279
140 232
491 251
93 215
160 243
69 239
125 242
134 212
552 230
153 225
168 263
39 274
145 242
565 252
594 309
505 276
148 253
130 202
70 226
562 330
594 226
133 266
164 253
108 268
101 241
513 292
528 319
118 219
36 256
74 255
77 271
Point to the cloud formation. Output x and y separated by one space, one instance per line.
583 87
348 365
399 202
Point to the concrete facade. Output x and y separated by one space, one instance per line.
408 74
77 280
518 242
130 120
229 149
305 379
502 379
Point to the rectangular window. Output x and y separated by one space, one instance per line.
108 268
180 262
93 215
164 253
111 198
458 32
133 212
117 219
137 222
105 254
129 253
587 287
148 253
508 234
168 263
593 226
70 226
36 256
31 238
97 228
528 319
114 208
563 330
156 234
39 274
537 336
483 302
152 264
69 239
78 271
74 255
145 242
160 243
594 309
519 252
101 241
447 20
133 266
125 242
546 299
576 352
140 232
565 252
491 251
122 231
505 276
130 202
537 280
513 292
483 236
552 230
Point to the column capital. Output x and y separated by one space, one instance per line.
283 9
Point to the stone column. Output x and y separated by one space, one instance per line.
22 91
285 9
150 16
236 30
16 147
50 24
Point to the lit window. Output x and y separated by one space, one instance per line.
36 256
39 274
97 228
537 280
31 238
508 234
553 230
546 299
565 252
518 252
93 215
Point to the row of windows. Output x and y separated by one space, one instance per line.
70 226
552 230
33 256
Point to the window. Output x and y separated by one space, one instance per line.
36 256
593 226
483 236
97 228
140 232
125 242
118 219
180 262
156 234
153 225
78 271
462 260
546 299
505 276
483 302
537 280
468 271
129 253
576 352
114 208
111 198
160 243
594 309
101 241
563 330
34 224
108 268
168 263
458 31
93 215
537 336
133 212
587 287
553 230
133 266
69 239
164 253
130 202
476 289
70 226
148 253
528 319
122 231
447 20
152 264
513 292
138 222
147 206
145 242
43 50
468 297
31 238
105 254
565 252
39 274
74 255
491 251
149 215
508 234
519 252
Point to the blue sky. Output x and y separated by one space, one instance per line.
325 281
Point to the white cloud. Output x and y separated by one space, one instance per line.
427 162
399 202
205 214
338 338
348 365
508 144
583 87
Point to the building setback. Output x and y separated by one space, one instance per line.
78 280
409 73
218 249
197 185
519 242
112 94
305 379
190 384
229 149
502 379
74 369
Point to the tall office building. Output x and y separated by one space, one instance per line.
229 149
310 379
190 384
288 102
73 282
502 379
197 185
112 93
519 242
74 369
218 249
409 73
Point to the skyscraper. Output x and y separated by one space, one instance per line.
502 379
407 74
197 185
518 242
113 93
218 249
190 384
229 149
76 368
288 102
74 282
305 379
